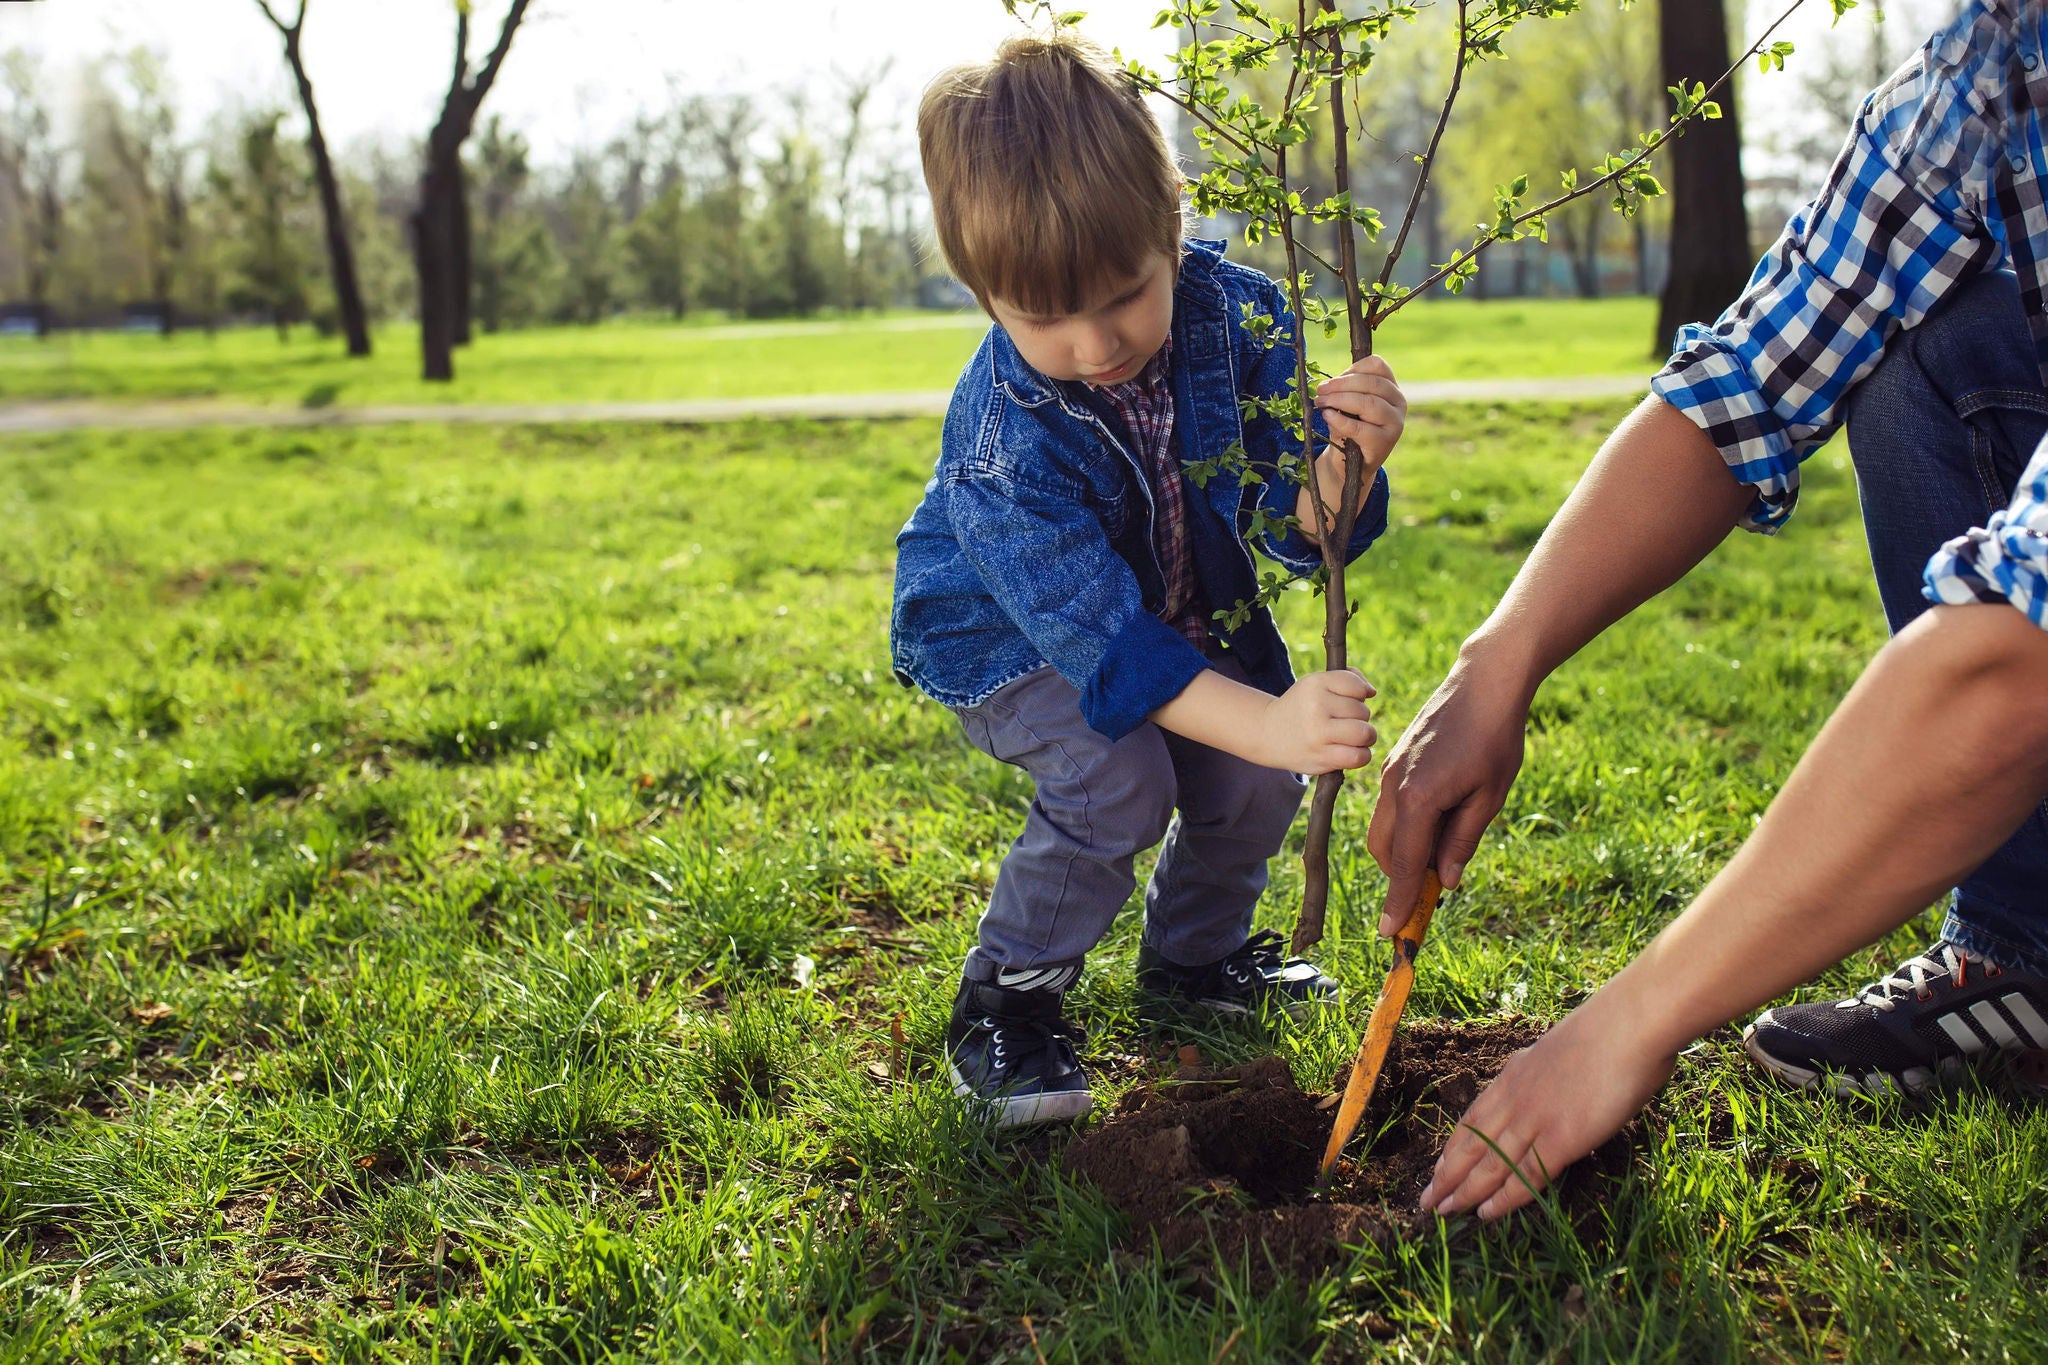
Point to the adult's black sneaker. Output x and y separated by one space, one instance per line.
1008 1049
1938 1013
1242 982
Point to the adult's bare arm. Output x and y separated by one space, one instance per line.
1934 758
1655 501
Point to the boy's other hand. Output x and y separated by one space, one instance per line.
1321 724
1365 406
1554 1102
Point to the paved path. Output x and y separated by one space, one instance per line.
23 418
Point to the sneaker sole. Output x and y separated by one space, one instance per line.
1914 1080
1022 1111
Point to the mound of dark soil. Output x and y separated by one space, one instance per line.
1231 1155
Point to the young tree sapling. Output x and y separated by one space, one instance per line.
1326 52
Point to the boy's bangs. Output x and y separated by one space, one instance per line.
1058 253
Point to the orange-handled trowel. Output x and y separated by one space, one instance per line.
1379 1030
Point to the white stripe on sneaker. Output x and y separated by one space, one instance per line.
1963 1035
1041 978
2028 1018
1993 1023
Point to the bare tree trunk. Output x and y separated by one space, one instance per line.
1710 256
440 237
1586 257
462 275
1642 231
434 226
341 261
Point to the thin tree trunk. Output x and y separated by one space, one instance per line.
462 277
1710 256
1642 231
1586 257
441 223
434 227
341 259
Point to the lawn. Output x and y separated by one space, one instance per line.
650 361
456 887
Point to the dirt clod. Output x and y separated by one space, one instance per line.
1230 1155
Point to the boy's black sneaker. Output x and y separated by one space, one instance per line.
1937 1013
1008 1052
1240 983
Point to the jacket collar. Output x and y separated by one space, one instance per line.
1196 297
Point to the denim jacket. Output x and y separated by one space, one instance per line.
1033 544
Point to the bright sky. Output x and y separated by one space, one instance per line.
578 68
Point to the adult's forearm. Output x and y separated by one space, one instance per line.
1655 501
1936 756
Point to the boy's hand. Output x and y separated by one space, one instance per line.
1321 724
1553 1102
1365 406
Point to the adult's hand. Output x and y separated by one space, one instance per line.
1444 782
1936 756
1552 1103
1654 502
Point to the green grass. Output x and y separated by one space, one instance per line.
649 361
408 840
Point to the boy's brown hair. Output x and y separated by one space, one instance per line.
1050 179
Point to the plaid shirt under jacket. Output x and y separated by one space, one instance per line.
1941 181
1145 406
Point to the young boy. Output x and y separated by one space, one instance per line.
1058 587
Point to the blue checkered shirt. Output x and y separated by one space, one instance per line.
1941 181
2006 561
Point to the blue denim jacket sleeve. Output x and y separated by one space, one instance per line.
1266 440
1088 619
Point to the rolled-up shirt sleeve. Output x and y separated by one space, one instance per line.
1907 215
1087 616
2004 561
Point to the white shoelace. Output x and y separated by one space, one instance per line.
1912 976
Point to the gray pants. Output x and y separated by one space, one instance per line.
1098 804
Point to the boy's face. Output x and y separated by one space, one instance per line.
1109 340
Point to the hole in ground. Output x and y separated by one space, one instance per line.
1232 1155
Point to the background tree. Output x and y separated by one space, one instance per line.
141 171
657 251
727 207
32 162
794 278
847 184
1565 93
586 226
514 257
341 261
441 244
265 188
1710 255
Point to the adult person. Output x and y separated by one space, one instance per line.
1906 299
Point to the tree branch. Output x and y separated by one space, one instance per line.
481 86
1492 235
1443 121
1347 249
461 55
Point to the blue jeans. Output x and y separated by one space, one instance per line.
1939 433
